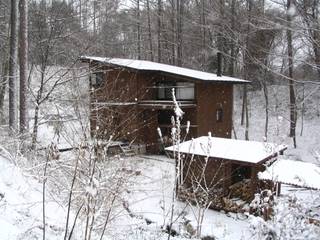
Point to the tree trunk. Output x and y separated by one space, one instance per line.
244 114
94 18
232 45
38 101
247 113
302 109
3 86
265 92
179 9
35 126
292 97
13 65
138 30
159 29
149 31
174 35
23 57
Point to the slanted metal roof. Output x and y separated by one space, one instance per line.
296 173
143 65
247 152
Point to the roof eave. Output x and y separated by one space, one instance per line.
86 59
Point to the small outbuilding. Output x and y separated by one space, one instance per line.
223 168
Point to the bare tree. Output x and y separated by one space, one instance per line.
13 65
179 32
149 31
292 106
23 57
138 30
4 51
159 30
309 11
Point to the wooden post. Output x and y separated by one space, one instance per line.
278 189
254 181
226 177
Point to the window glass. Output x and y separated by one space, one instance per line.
165 90
219 115
97 79
185 91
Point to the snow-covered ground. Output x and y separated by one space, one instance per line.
21 205
144 204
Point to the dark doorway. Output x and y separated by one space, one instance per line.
239 173
164 117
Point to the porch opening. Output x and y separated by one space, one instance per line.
239 173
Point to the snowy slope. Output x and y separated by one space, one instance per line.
21 207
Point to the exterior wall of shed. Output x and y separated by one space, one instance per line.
138 124
215 174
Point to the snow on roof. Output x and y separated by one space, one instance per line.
301 174
231 149
153 66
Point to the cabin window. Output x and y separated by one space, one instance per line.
165 90
183 90
219 115
97 79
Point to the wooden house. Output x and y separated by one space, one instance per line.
130 99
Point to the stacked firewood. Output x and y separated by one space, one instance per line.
212 198
230 205
241 190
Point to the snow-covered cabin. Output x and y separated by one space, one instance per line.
223 168
130 99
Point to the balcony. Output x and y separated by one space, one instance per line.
161 95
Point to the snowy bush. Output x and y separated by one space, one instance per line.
291 220
262 204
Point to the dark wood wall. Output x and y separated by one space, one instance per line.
211 97
134 123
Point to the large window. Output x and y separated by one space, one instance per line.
183 90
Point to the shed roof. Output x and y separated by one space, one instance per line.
249 152
301 174
143 65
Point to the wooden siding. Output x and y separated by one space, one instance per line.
138 124
215 178
211 97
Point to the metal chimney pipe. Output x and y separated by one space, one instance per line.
219 65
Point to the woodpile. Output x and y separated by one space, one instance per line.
233 205
237 199
211 198
241 190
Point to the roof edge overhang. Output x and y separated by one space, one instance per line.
86 59
246 163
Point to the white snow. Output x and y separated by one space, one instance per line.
231 149
151 197
297 173
21 207
153 66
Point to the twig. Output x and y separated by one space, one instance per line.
44 195
70 197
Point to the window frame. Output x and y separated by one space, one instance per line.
164 89
97 82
